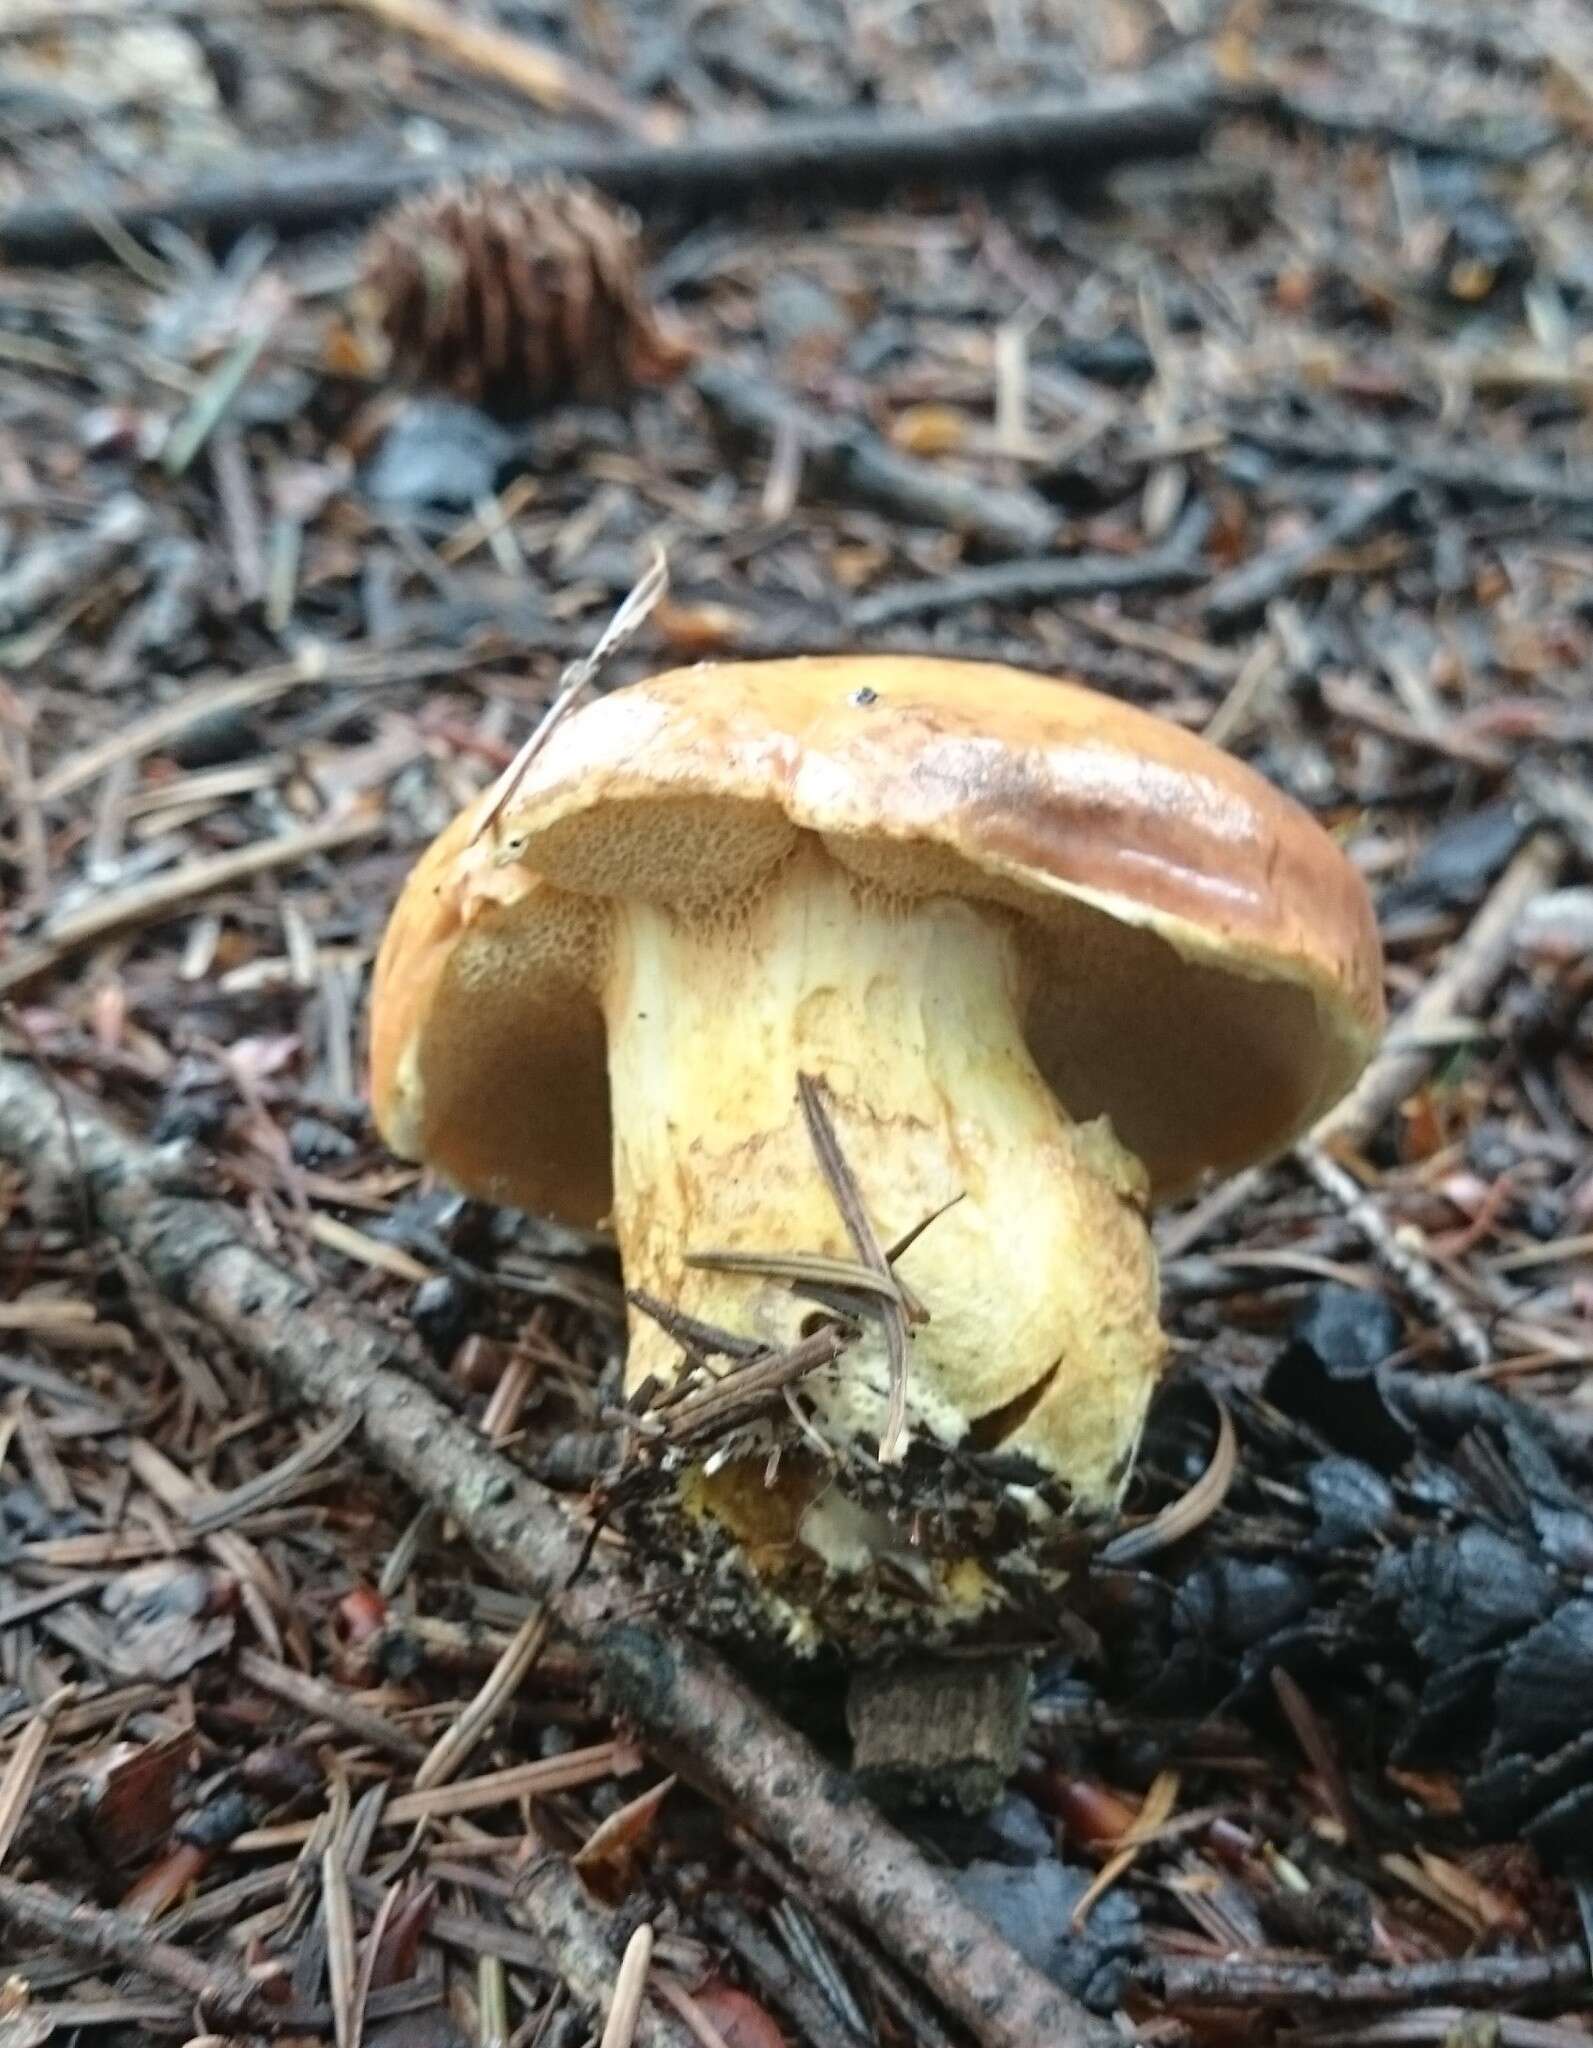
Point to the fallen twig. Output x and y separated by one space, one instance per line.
695 1712
1254 584
853 462
1516 142
1248 1984
62 563
1487 474
323 1702
1051 579
750 1389
1441 2024
1457 990
22 1769
1410 1266
1564 799
796 158
351 666
1492 35
124 909
227 1996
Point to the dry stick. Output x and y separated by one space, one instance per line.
696 1713
1485 141
63 564
750 1389
1050 579
1254 584
346 667
332 1703
229 1998
1045 579
808 2010
852 462
1564 800
1459 988
797 158
22 1771
1346 698
1438 1300
1555 1975
539 75
919 2024
127 908
1491 35
1490 475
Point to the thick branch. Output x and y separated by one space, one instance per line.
692 1708
227 1996
798 158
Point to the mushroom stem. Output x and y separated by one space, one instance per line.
1039 1282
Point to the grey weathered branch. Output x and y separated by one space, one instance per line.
691 1707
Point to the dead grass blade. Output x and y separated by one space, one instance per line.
453 1747
22 1771
342 1970
1153 1814
1180 1518
210 1513
125 909
625 2007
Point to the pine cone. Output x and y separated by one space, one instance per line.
510 296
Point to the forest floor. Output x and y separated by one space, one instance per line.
1283 436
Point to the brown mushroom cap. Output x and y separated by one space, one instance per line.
1204 961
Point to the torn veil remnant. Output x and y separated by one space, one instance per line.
1047 956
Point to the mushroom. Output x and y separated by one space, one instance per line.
1050 958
